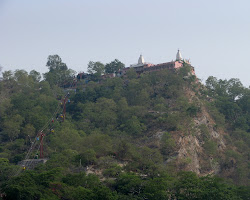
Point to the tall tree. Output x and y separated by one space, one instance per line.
54 62
7 75
97 68
36 76
114 66
58 74
12 126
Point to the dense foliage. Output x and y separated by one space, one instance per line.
232 100
105 148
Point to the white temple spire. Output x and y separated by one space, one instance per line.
141 60
178 56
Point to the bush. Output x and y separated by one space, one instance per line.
204 131
210 147
167 144
193 110
113 171
86 158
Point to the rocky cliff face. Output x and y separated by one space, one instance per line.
193 146
200 145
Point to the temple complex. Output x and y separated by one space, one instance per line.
142 66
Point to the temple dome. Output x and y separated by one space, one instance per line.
178 56
141 60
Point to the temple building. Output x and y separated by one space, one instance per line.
142 66
178 56
141 60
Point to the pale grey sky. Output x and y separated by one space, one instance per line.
214 34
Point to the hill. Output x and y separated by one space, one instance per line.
160 135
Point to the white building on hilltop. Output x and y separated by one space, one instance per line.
178 56
141 60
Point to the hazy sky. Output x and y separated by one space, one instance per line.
214 34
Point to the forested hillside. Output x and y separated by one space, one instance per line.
160 135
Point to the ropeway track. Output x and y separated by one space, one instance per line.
34 144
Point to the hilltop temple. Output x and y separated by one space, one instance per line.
142 66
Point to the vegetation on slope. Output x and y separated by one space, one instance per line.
119 137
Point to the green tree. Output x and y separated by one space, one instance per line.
54 63
86 158
167 143
157 188
6 170
134 127
58 74
114 66
7 75
129 184
131 73
12 126
97 68
36 76
21 188
235 89
187 186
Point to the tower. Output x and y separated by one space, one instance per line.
141 60
178 56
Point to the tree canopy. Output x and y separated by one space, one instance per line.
121 137
58 74
114 66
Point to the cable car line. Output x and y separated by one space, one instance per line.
41 131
